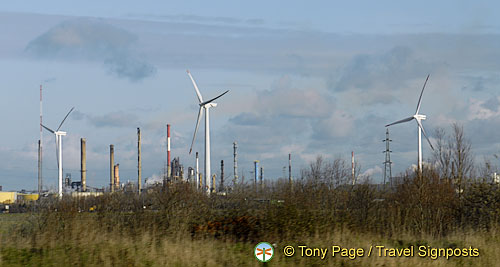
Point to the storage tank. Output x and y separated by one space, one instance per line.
8 197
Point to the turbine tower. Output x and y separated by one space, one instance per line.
420 128
206 105
59 134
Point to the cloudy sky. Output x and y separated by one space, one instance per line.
318 78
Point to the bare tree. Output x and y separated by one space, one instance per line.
329 173
462 158
442 153
453 155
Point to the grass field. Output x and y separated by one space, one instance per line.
183 227
87 245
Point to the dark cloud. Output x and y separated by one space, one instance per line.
50 80
492 104
389 70
283 117
245 118
200 19
112 120
77 115
94 40
255 21
131 68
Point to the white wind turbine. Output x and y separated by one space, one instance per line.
418 118
204 105
59 134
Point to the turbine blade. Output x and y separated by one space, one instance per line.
64 119
195 87
200 113
400 121
423 131
211 100
47 128
421 93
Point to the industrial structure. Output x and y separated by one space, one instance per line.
139 162
290 168
353 174
40 149
235 163
256 171
387 162
221 187
83 163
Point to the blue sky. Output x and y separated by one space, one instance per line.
309 79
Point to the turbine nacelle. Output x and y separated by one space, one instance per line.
419 117
209 105
60 133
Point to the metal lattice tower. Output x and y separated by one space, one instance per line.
387 162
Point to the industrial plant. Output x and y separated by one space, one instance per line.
306 158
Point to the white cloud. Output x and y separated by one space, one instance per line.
371 172
478 109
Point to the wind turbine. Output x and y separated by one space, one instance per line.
204 105
418 118
59 134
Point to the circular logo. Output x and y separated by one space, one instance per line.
263 252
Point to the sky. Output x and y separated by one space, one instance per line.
306 78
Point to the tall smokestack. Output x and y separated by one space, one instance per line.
117 176
261 176
139 163
111 168
213 189
256 171
169 167
40 150
198 179
83 165
39 167
352 168
221 175
290 168
235 163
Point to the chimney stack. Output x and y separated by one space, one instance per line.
169 167
111 168
352 168
235 171
117 176
139 163
256 171
261 176
198 177
221 175
83 163
290 168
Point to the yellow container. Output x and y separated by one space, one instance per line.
27 197
8 197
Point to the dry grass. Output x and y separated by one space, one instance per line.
183 227
88 246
